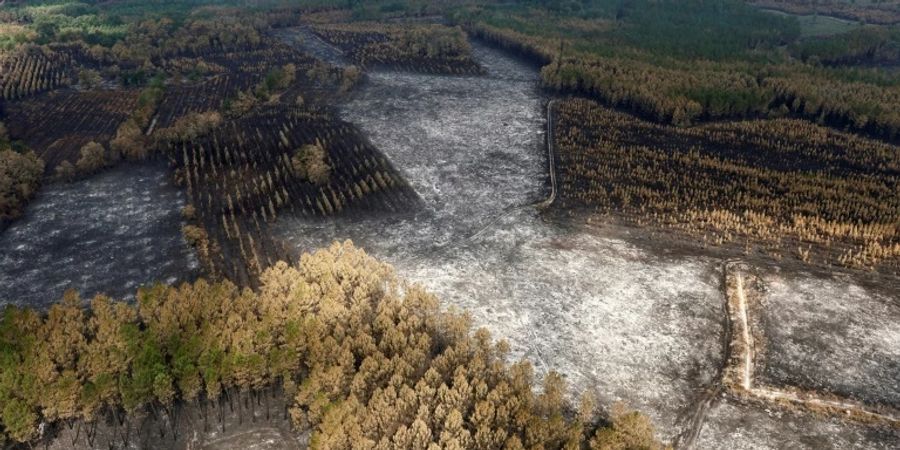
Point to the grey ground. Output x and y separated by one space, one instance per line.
831 336
737 426
109 233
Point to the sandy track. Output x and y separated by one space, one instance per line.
742 340
738 372
747 339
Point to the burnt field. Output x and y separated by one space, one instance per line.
273 97
206 95
225 74
781 188
107 234
303 37
631 328
33 70
616 309
829 336
56 125
242 176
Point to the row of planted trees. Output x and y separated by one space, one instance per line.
58 125
366 362
240 174
420 48
31 70
156 39
684 93
782 182
237 81
251 141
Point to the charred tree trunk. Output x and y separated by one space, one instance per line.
267 404
77 432
127 432
240 410
204 411
91 433
222 414
174 421
250 399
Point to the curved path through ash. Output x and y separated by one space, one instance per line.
551 157
696 419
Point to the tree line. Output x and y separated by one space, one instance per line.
871 45
20 175
884 12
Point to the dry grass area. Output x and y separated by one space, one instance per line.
881 12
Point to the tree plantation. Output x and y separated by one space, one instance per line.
58 125
649 78
32 70
431 48
782 182
244 174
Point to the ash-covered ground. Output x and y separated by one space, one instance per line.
107 234
832 336
304 38
738 426
607 315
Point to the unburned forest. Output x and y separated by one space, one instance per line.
639 65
